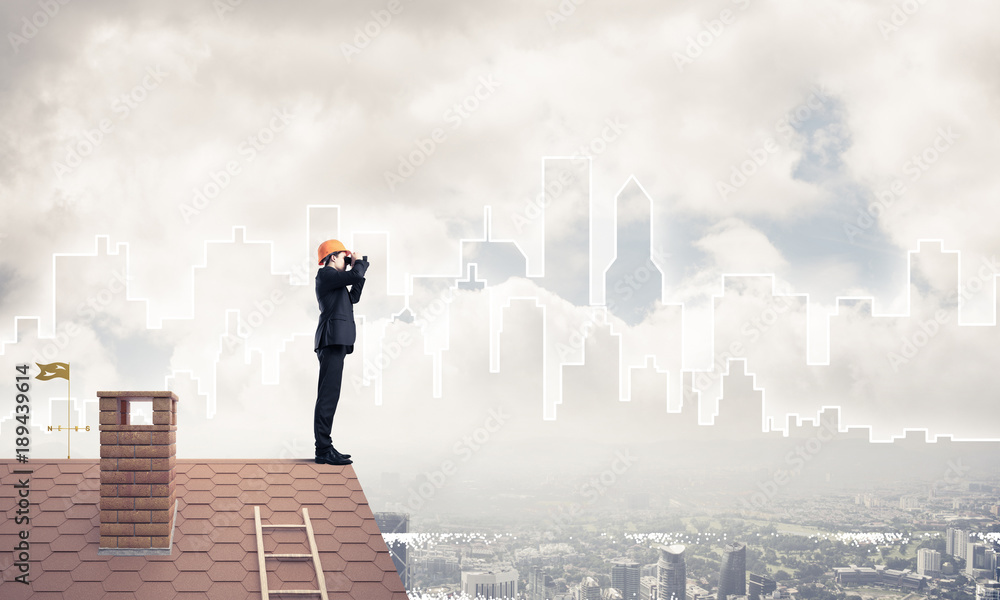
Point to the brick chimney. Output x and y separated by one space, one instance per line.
138 463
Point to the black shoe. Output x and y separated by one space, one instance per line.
332 459
338 453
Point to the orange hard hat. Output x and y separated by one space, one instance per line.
329 247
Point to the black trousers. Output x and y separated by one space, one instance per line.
331 373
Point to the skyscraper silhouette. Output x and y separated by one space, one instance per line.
633 282
733 574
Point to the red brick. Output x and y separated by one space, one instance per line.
165 404
109 417
162 491
117 529
161 418
109 491
162 477
109 437
117 504
134 542
164 437
108 404
133 464
163 464
109 516
160 542
161 516
117 451
133 516
116 477
156 451
134 491
152 529
109 464
134 437
109 541
153 504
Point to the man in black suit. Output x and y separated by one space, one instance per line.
335 336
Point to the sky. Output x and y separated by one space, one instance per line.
640 186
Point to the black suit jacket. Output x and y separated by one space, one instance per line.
336 304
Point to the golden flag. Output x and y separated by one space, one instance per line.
53 370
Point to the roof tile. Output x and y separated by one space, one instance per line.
310 497
301 484
126 563
327 543
198 497
252 483
202 471
90 571
226 553
283 504
251 582
351 534
198 485
226 479
336 581
227 467
363 571
340 504
356 552
155 589
364 511
194 511
281 491
273 479
192 581
370 590
252 497
227 571
392 582
226 490
122 581
226 504
193 561
82 511
331 479
370 526
63 491
230 517
195 527
159 571
52 581
61 561
303 471
226 535
227 590
75 526
291 570
69 478
252 471
85 590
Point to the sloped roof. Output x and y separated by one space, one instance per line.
215 546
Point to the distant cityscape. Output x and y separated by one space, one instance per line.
943 547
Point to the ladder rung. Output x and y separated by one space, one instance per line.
314 555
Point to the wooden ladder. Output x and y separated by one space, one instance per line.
313 554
